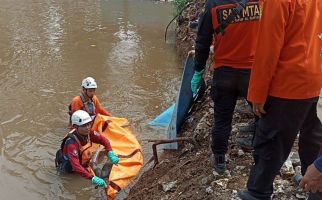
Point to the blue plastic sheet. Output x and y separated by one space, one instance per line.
163 120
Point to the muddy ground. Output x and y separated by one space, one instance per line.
188 172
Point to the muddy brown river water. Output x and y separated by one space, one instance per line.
46 48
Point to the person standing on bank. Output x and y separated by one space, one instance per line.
284 87
87 100
234 50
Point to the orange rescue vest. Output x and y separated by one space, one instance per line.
85 154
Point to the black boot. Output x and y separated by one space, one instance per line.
220 163
245 143
245 195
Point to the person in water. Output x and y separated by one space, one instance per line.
87 100
74 154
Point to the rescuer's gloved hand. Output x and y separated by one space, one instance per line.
113 158
97 181
196 81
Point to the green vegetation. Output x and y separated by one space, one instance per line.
179 5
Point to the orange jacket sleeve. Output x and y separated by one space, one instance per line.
76 104
270 43
99 108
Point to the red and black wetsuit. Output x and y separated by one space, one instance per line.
72 150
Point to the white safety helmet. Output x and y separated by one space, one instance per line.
89 83
80 117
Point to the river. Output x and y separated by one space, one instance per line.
46 48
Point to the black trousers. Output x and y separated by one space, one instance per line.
228 84
315 196
274 138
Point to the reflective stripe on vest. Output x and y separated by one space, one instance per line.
88 105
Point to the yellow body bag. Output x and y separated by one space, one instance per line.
125 146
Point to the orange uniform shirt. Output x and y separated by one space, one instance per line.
287 61
236 48
77 104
